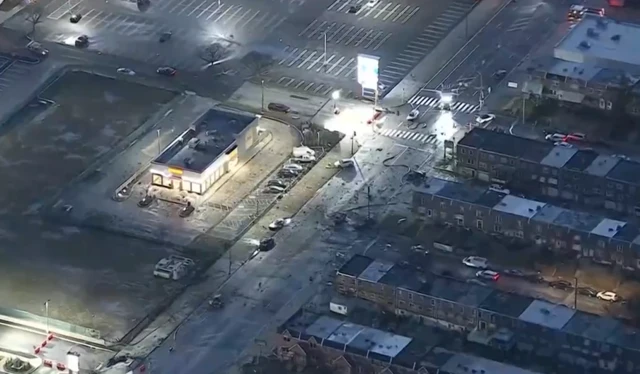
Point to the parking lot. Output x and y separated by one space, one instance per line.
12 71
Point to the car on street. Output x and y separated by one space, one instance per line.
288 173
146 201
82 41
277 183
563 144
126 71
353 9
575 136
279 223
187 210
514 273
75 18
485 118
499 74
273 189
499 189
577 12
488 274
305 159
295 167
608 296
266 244
277 107
413 115
37 49
476 262
166 70
561 285
165 37
588 291
556 137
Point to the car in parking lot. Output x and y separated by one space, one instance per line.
37 49
295 167
608 296
75 18
166 70
476 262
273 189
82 41
499 189
277 183
288 173
561 285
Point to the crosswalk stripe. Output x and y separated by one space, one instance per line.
415 136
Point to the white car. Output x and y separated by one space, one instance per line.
372 3
555 137
279 223
608 296
344 163
476 262
126 71
623 157
273 189
499 189
485 118
413 115
294 167
304 159
488 274
563 144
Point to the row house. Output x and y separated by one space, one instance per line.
503 321
541 169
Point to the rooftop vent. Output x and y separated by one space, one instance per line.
601 23
584 44
592 33
545 311
616 38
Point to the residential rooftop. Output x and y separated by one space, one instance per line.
534 311
544 153
603 41
589 223
198 147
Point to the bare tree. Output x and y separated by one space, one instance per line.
34 17
258 65
214 54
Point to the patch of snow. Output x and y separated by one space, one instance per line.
111 98
68 137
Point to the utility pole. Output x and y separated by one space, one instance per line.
325 52
524 100
368 202
575 293
352 139
158 138
229 260
262 94
46 314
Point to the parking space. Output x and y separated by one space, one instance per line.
420 46
345 34
315 61
11 72
382 11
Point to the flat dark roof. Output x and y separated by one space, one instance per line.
628 233
201 145
625 171
506 144
404 277
507 304
459 292
356 265
581 160
461 192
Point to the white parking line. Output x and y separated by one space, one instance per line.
381 42
345 66
365 36
397 17
334 4
372 9
205 10
297 58
317 29
196 9
334 65
223 13
108 24
93 17
290 54
353 37
351 71
327 63
408 17
270 25
186 7
373 39
344 5
244 24
382 11
228 19
315 62
345 34
240 18
308 27
307 59
391 12
215 12
102 19
330 38
309 86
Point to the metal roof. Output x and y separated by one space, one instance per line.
608 227
558 156
519 206
552 316
375 271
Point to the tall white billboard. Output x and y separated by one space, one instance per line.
368 71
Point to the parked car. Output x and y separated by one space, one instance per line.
277 107
266 244
295 167
372 3
608 296
485 118
514 273
561 285
557 137
273 189
166 70
413 115
498 188
165 37
354 9
186 210
306 159
344 163
277 183
75 18
82 41
476 262
288 173
488 274
146 201
279 223
126 71
499 74
588 291
37 49
575 136
563 144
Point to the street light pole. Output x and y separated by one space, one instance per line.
46 314
158 138
262 93
352 139
325 52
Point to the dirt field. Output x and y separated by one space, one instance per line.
93 279
45 147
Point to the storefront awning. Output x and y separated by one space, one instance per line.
532 88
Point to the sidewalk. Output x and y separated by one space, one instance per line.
482 14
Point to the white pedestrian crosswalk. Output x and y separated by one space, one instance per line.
410 135
456 106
